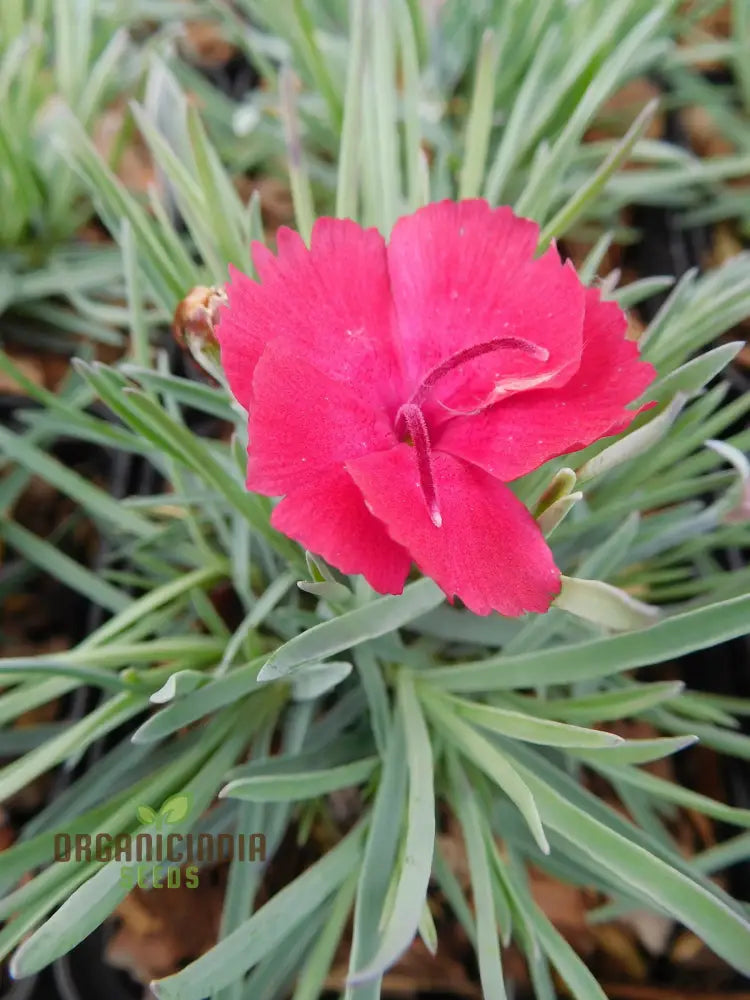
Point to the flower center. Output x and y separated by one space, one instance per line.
418 437
455 361
410 420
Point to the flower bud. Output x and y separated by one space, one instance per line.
193 326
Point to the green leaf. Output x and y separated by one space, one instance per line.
260 610
633 444
669 639
632 294
190 393
139 610
725 931
589 191
520 726
381 77
560 486
573 971
300 786
244 880
603 604
617 703
72 740
378 864
692 376
98 503
489 759
373 683
93 901
556 513
637 751
409 94
177 684
414 875
257 936
427 930
139 339
196 704
377 618
317 679
347 186
667 791
327 590
488 944
479 121
71 573
304 212
311 980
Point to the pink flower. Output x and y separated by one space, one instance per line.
394 390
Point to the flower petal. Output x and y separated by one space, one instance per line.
522 432
302 423
330 303
489 550
328 516
463 273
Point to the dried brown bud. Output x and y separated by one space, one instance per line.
196 316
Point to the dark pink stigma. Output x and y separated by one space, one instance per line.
468 354
419 437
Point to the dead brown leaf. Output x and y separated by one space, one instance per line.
162 930
204 44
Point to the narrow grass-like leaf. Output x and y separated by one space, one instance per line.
479 121
190 393
347 187
102 720
414 875
589 191
297 787
312 977
556 513
377 864
632 444
724 930
603 604
352 628
301 194
489 759
572 969
488 943
693 375
667 640
258 935
530 729
615 703
197 704
139 340
637 751
71 573
668 791
371 678
90 904
316 681
77 487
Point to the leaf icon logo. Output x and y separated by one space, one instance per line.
175 809
146 814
